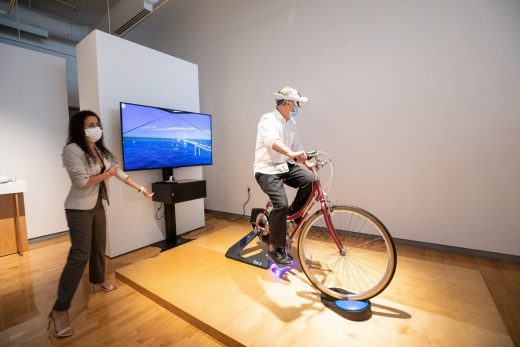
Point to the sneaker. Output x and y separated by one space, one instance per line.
280 257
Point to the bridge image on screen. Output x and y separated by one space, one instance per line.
155 138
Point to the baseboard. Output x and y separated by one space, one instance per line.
227 215
48 237
459 250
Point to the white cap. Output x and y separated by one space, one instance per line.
288 93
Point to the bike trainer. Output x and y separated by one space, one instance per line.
349 309
261 259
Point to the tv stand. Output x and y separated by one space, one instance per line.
171 194
167 175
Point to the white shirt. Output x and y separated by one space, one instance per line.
271 127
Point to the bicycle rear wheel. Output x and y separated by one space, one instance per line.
369 260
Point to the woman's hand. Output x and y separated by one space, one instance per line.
96 179
113 170
147 194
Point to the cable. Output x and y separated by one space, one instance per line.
158 212
243 209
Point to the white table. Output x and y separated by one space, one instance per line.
13 187
16 188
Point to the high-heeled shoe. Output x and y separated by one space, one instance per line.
105 287
68 331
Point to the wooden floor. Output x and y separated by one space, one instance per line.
125 317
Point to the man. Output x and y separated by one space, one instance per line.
278 148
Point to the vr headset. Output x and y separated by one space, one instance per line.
291 94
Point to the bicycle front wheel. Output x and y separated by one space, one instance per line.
364 267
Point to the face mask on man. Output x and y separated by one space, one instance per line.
295 112
93 134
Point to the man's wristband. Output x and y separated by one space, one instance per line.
141 189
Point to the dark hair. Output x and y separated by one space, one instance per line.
77 136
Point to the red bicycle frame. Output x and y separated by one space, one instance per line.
318 196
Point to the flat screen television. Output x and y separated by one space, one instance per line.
162 138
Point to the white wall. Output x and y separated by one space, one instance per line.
33 131
50 46
111 70
417 101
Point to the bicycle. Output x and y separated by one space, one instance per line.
345 251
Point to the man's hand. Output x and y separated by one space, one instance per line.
299 156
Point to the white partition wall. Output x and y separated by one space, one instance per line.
33 131
417 101
111 70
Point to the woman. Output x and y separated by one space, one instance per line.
89 164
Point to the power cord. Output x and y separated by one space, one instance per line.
5 179
158 212
243 209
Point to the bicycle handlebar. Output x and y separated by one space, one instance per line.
319 162
311 154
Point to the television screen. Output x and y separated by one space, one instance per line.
161 138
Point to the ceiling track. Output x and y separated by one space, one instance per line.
9 7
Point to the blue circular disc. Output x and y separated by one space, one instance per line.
351 305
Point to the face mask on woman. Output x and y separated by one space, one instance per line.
93 134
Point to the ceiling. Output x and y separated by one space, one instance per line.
85 12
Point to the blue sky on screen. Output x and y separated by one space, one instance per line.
145 121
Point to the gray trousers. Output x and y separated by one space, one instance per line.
88 237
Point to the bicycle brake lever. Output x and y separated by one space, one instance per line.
311 154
